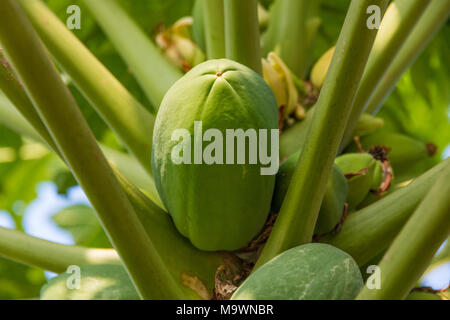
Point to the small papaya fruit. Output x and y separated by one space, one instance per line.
217 203
313 271
97 282
334 199
367 124
359 169
408 156
404 149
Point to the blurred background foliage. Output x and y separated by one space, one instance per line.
419 106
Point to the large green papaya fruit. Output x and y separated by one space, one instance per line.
334 199
97 282
313 271
221 202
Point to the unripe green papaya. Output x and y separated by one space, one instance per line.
97 282
404 149
313 271
333 201
408 156
217 204
362 167
377 179
367 124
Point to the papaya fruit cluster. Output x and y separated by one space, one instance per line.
224 206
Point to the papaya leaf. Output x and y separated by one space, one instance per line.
81 222
20 181
18 281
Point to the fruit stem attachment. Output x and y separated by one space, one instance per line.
214 28
415 245
242 33
65 123
298 215
51 256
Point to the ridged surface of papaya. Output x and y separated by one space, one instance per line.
217 206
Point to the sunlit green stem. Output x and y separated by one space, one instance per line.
367 232
48 255
242 33
396 26
414 247
181 258
153 71
429 24
126 164
298 214
62 117
213 15
12 88
122 112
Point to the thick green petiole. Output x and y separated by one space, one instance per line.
292 27
298 215
48 255
396 26
214 28
127 165
414 247
429 24
153 71
13 89
124 114
62 117
242 33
